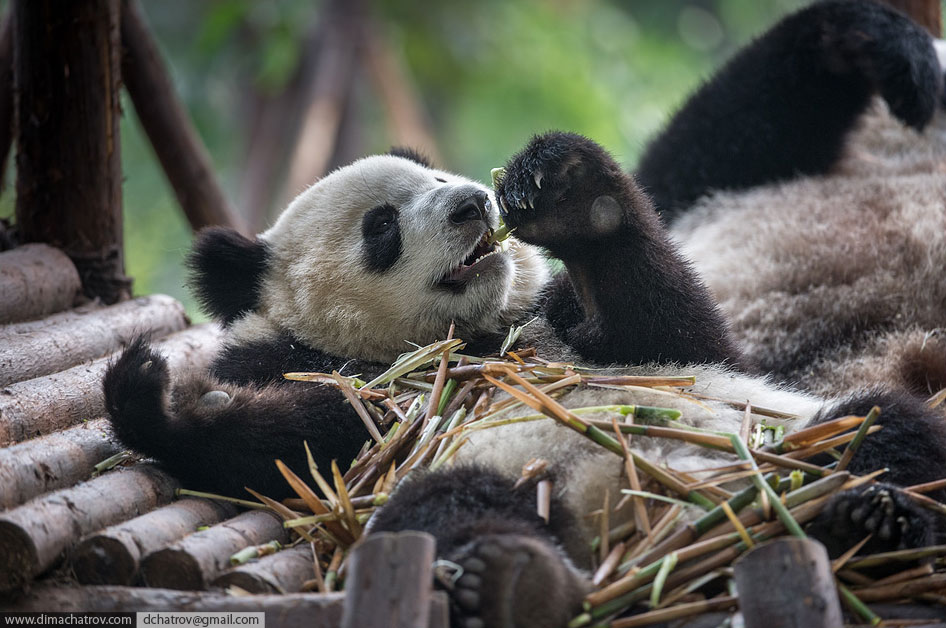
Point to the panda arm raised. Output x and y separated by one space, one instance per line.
631 298
784 104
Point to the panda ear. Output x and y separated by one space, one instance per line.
226 272
409 153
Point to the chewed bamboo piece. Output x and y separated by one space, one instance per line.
427 406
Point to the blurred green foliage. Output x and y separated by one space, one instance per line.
490 73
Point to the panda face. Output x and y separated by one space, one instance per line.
387 251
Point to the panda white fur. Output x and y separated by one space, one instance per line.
387 250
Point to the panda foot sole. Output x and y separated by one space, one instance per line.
884 512
511 580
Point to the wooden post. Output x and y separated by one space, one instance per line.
176 143
788 583
389 583
6 92
67 76
926 13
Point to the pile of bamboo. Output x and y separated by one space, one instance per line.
421 410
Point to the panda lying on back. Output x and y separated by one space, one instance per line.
389 249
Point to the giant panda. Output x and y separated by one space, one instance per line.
390 249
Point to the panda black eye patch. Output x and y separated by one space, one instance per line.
382 237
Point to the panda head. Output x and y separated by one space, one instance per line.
384 251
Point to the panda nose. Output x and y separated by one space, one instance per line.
470 209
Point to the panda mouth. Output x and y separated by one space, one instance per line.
472 264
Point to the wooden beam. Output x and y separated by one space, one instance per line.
178 146
67 74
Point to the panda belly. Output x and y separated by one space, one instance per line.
583 472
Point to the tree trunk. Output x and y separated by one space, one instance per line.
6 93
67 75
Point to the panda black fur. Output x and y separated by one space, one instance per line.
324 289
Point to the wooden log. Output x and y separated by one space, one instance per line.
67 77
182 154
52 462
295 610
46 404
787 583
194 561
283 572
926 13
35 281
113 555
389 582
56 343
34 535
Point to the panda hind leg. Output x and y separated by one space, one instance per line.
503 566
221 437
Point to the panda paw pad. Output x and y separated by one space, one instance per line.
513 580
549 190
893 520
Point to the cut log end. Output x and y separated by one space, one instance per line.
18 556
104 560
172 568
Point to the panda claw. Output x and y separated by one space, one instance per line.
537 177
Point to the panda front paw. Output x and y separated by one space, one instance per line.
510 580
560 189
888 49
883 511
